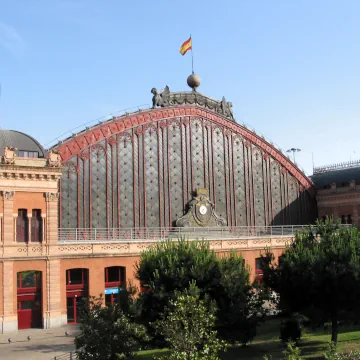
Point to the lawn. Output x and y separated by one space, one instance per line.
312 344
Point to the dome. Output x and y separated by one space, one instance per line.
22 142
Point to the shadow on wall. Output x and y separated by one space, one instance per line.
302 211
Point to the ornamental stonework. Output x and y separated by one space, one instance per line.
201 212
8 195
51 196
54 159
165 98
9 155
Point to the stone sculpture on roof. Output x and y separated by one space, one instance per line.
54 158
160 99
166 98
9 155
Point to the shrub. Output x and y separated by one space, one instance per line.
331 354
291 330
188 327
107 333
292 352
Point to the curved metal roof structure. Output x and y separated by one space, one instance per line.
141 169
20 141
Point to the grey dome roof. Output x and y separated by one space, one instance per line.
20 141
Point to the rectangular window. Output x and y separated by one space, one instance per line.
114 274
281 260
28 154
28 279
36 226
22 226
258 270
76 277
258 262
27 305
22 153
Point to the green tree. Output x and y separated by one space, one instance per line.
188 326
107 332
320 271
172 266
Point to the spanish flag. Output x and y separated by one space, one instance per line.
187 45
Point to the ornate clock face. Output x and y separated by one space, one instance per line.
203 209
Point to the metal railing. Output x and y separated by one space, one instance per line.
162 234
68 356
338 166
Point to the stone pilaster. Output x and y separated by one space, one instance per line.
52 216
53 317
9 319
356 220
29 217
43 226
8 223
1 227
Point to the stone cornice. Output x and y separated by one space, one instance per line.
337 199
337 191
14 173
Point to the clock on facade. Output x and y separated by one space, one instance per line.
203 209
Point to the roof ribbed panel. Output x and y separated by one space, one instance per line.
20 141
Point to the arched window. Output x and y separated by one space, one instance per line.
115 279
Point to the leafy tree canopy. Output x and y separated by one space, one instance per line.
188 326
107 332
320 270
172 266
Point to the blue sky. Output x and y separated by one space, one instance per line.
290 68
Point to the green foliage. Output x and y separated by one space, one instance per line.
331 354
292 352
320 270
290 330
172 266
127 302
107 333
188 326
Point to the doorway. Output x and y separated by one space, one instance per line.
29 307
76 291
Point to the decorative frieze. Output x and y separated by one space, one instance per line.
21 175
99 249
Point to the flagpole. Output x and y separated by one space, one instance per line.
192 56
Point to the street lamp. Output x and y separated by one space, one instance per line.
293 150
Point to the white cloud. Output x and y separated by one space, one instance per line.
11 40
